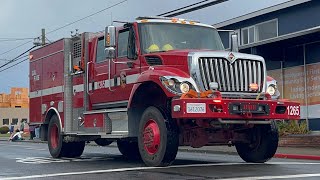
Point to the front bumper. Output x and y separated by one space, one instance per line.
236 109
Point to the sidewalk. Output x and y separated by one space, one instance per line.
307 153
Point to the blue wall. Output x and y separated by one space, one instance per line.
292 19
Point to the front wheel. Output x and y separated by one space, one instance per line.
263 146
57 147
158 138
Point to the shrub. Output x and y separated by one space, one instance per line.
4 130
292 127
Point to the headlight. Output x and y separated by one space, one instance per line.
178 85
271 89
184 87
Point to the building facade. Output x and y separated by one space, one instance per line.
288 37
14 107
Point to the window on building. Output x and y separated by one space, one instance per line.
259 32
17 106
24 120
267 30
15 121
100 51
123 43
18 94
248 35
5 121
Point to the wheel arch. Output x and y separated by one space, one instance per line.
144 95
51 112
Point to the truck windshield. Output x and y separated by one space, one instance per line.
157 37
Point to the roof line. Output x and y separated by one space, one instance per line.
260 12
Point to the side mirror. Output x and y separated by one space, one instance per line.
110 42
110 37
234 43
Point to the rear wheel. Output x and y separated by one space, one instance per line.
263 146
74 149
129 149
57 147
158 138
103 142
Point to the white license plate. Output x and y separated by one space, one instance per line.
198 108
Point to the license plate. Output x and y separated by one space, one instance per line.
196 108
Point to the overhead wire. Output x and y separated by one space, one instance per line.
14 65
182 8
90 15
174 13
14 59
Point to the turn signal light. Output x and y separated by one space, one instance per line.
253 86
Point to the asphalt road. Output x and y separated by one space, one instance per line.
21 160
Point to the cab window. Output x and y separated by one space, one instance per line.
123 43
100 51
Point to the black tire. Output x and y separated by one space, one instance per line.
129 149
57 147
103 142
158 138
74 149
264 144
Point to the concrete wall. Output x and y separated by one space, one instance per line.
10 113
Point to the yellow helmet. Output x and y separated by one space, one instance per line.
153 47
167 47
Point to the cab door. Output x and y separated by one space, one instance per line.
100 94
126 70
114 92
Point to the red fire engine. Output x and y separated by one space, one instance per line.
153 85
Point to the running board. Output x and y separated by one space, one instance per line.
114 135
106 111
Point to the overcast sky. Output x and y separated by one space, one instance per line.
25 18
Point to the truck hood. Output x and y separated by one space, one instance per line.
180 57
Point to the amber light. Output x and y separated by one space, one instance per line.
254 86
217 100
108 39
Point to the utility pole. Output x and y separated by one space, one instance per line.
43 37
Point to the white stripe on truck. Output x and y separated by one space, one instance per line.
80 87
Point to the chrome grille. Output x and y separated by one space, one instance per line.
231 77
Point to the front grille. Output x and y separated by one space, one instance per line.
231 77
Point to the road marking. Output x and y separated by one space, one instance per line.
275 177
176 166
46 160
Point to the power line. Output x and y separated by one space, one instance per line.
12 40
15 59
14 65
15 48
182 8
109 7
194 8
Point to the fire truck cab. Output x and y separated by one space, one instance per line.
151 86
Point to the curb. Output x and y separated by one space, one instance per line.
297 156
